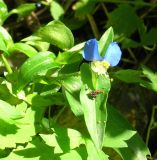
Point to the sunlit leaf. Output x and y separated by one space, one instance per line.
71 89
3 12
94 110
7 39
24 48
93 152
56 10
34 150
133 147
8 111
118 129
63 140
23 10
36 42
68 58
56 33
105 40
152 79
35 65
18 130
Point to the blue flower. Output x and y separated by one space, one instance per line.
112 56
101 64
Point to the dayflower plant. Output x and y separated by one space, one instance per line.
101 64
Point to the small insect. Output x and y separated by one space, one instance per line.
94 94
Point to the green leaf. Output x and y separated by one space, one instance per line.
56 10
34 150
119 17
73 23
152 79
24 48
6 93
87 76
3 12
93 152
47 100
118 129
150 37
94 109
71 155
63 139
82 8
77 47
68 58
105 40
8 111
35 65
136 149
129 43
7 39
129 75
17 130
3 46
36 42
123 138
58 34
23 10
47 88
71 90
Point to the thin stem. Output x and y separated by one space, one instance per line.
128 61
7 66
147 58
58 115
105 9
132 55
67 5
147 12
150 124
49 117
93 26
150 48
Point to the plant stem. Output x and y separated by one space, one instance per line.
105 9
150 124
58 115
49 117
128 61
7 66
132 55
93 26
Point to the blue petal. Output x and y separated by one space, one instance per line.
90 51
113 54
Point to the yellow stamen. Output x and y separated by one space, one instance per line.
100 67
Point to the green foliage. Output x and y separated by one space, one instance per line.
129 75
23 10
3 12
124 20
56 10
152 78
56 33
52 104
24 48
37 64
105 40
